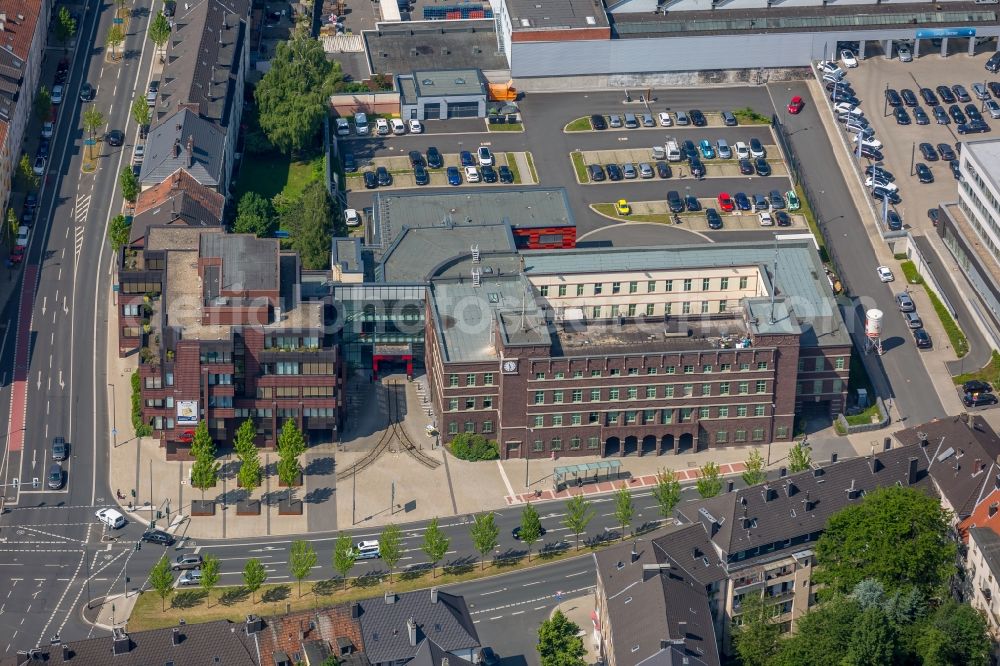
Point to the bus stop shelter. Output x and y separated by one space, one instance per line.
577 475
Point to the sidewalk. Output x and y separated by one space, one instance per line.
113 611
581 611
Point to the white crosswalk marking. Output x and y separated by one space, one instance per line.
80 213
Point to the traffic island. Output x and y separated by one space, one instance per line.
202 508
248 507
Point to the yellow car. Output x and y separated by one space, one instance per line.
622 207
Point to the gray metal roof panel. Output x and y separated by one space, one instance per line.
447 623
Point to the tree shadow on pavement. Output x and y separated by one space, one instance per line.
318 495
319 466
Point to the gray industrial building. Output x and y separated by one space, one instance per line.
442 93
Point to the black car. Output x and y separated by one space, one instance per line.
746 167
115 138
946 152
892 96
933 214
434 160
893 220
921 338
136 169
928 152
420 175
614 172
506 175
742 201
872 153
350 164
956 114
690 150
776 199
697 168
979 399
59 449
842 86
674 202
416 159
882 173
663 170
944 92
976 386
598 122
28 216
691 203
43 148
595 172
924 173
370 181
909 98
961 93
973 112
158 537
973 127
488 173
87 93
697 118
383 176
881 193
956 172
714 219
782 219
930 99
941 116
466 158
31 200
902 117
516 532
994 87
761 166
841 96
920 116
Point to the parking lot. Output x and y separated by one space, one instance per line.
902 142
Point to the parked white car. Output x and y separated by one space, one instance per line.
47 129
885 274
343 127
881 182
471 174
397 126
847 107
352 218
415 126
765 219
665 120
742 150
57 94
870 142
382 126
848 58
484 156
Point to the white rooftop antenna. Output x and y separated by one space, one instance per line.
774 282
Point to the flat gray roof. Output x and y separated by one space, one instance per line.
555 14
986 154
398 48
418 252
464 315
347 254
449 82
248 263
521 207
801 279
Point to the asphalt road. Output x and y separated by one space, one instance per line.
51 538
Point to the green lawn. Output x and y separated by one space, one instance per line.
910 272
512 163
579 125
580 167
512 127
990 373
270 174
955 335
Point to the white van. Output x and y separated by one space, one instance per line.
361 124
343 127
367 550
111 518
397 126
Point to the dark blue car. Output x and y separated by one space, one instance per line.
467 159
454 176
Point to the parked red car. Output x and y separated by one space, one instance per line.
726 202
795 105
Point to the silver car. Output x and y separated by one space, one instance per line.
993 108
645 170
628 170
725 152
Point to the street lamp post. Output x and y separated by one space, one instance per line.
913 156
114 416
885 106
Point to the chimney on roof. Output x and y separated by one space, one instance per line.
791 488
782 472
833 458
121 643
67 654
190 150
434 595
444 661
254 624
922 438
887 443
635 553
411 631
390 597
852 492
769 493
55 640
177 148
176 637
682 628
993 509
911 476
355 610
808 503
708 521
730 485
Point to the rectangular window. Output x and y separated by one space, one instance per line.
487 426
723 412
560 375
704 307
577 374
688 390
720 437
723 305
743 282
470 427
630 416
649 416
650 392
614 310
574 443
762 365
577 395
687 284
633 393
668 391
579 290
557 420
724 388
539 421
488 379
544 290
688 369
452 404
595 373
576 419
670 285
705 284
650 309
668 309
650 371
593 442
758 410
539 445
758 434
539 397
615 372
820 364
595 395
487 402
557 397
724 283
595 312
761 386
539 375
633 372
668 416
686 307
838 364
453 380
612 418
598 288
704 412
616 287
670 369
781 432
651 286
741 435
706 368
686 414
726 367
744 388
706 389
633 287
593 417
741 410
613 394
631 309
470 380
470 403
453 427
744 366
562 290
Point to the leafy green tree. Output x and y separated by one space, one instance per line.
26 173
205 470
558 642
624 510
898 536
955 635
435 544
472 447
118 232
390 546
578 516
246 450
301 560
667 492
799 457
10 229
292 98
757 639
754 473
531 527
309 224
485 535
114 39
821 633
129 184
254 215
344 556
161 579
873 642
209 576
140 110
709 483
291 445
159 30
254 576
93 120
65 26
43 103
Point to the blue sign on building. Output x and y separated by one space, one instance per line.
938 33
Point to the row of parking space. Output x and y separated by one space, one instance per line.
653 119
399 172
706 216
641 163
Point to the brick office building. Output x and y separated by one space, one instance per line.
618 351
226 335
